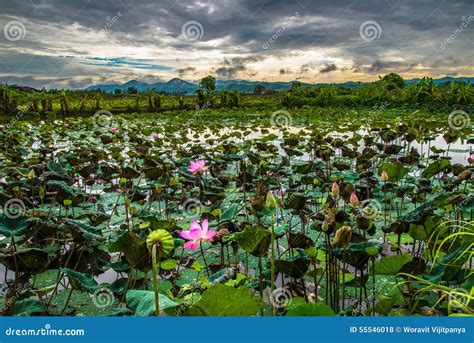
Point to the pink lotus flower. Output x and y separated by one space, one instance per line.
384 176
197 234
113 130
335 189
470 159
155 136
197 167
354 201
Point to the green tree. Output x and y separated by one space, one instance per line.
208 84
132 90
259 89
295 86
64 98
393 81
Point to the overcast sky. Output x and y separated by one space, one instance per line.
72 44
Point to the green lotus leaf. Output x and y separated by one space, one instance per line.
143 302
391 265
254 239
221 300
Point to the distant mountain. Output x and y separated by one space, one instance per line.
172 86
447 79
177 85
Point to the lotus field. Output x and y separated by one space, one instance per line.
237 212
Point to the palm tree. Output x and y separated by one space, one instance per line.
463 92
64 98
200 98
157 102
45 101
33 100
9 99
97 98
137 102
225 98
82 106
181 103
150 96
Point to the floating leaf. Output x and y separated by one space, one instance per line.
254 239
391 265
14 226
395 171
435 168
80 281
143 302
221 300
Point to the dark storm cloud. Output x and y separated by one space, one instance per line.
185 71
379 66
304 69
39 83
328 68
229 72
413 29
231 67
246 22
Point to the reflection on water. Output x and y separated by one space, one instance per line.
458 150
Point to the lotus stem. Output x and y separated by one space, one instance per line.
272 257
204 258
156 269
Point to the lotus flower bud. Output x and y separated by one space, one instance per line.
335 189
342 237
354 201
384 176
32 175
270 201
